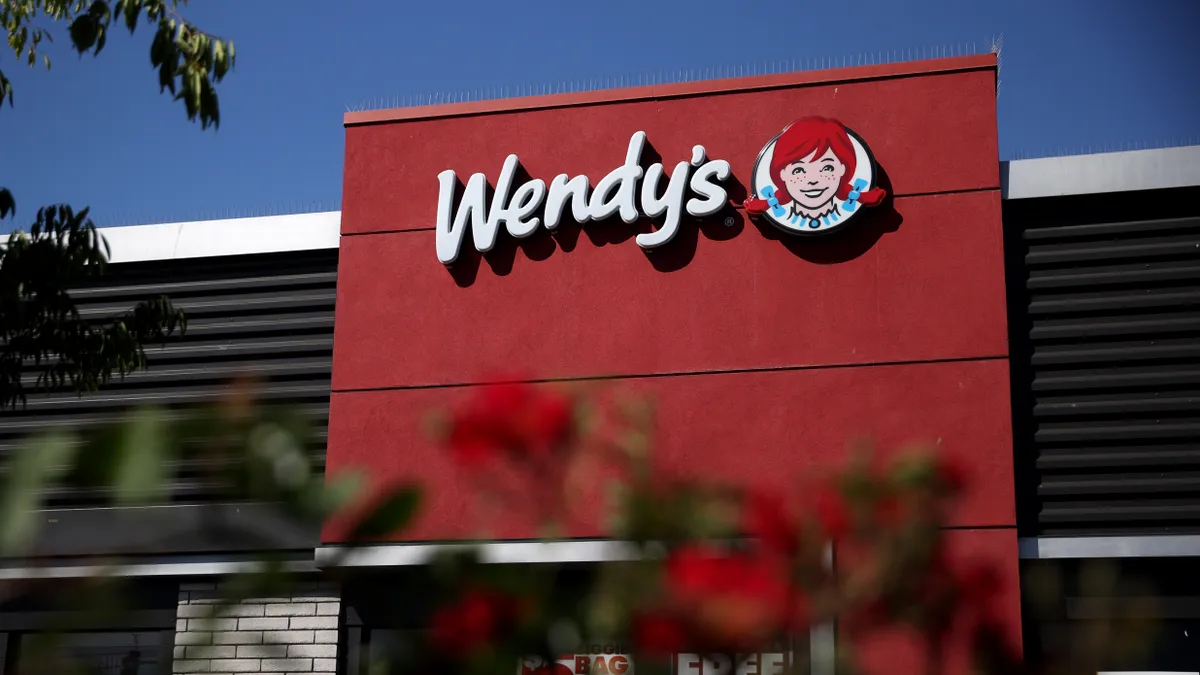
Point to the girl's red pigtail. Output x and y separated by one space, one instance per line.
872 197
756 207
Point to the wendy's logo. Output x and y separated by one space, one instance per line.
814 177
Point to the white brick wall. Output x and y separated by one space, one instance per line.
261 635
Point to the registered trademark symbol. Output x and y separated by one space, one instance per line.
730 221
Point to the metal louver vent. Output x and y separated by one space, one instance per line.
1105 322
267 316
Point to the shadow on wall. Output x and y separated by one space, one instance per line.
837 247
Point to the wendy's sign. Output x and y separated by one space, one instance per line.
617 193
813 177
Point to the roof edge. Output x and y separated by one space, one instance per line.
233 236
674 90
1127 171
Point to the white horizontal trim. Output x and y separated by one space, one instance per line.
1104 172
1149 546
212 567
380 555
391 555
235 236
497 552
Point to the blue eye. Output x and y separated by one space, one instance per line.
827 167
797 170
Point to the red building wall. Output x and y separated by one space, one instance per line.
765 352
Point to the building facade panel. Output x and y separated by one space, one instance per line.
922 281
765 352
762 428
930 132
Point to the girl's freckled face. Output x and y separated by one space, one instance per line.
813 181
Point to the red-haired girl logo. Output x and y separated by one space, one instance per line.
814 177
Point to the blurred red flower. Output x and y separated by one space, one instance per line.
890 511
766 517
832 513
472 623
514 417
729 601
952 472
469 440
658 634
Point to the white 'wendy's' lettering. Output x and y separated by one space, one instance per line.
615 194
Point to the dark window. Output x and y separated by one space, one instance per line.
95 653
42 633
1156 599
387 613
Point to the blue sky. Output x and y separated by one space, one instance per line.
1077 75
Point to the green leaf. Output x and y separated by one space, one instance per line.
36 466
6 91
166 70
210 112
83 33
140 474
269 578
339 490
89 30
131 11
388 514
220 64
158 48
